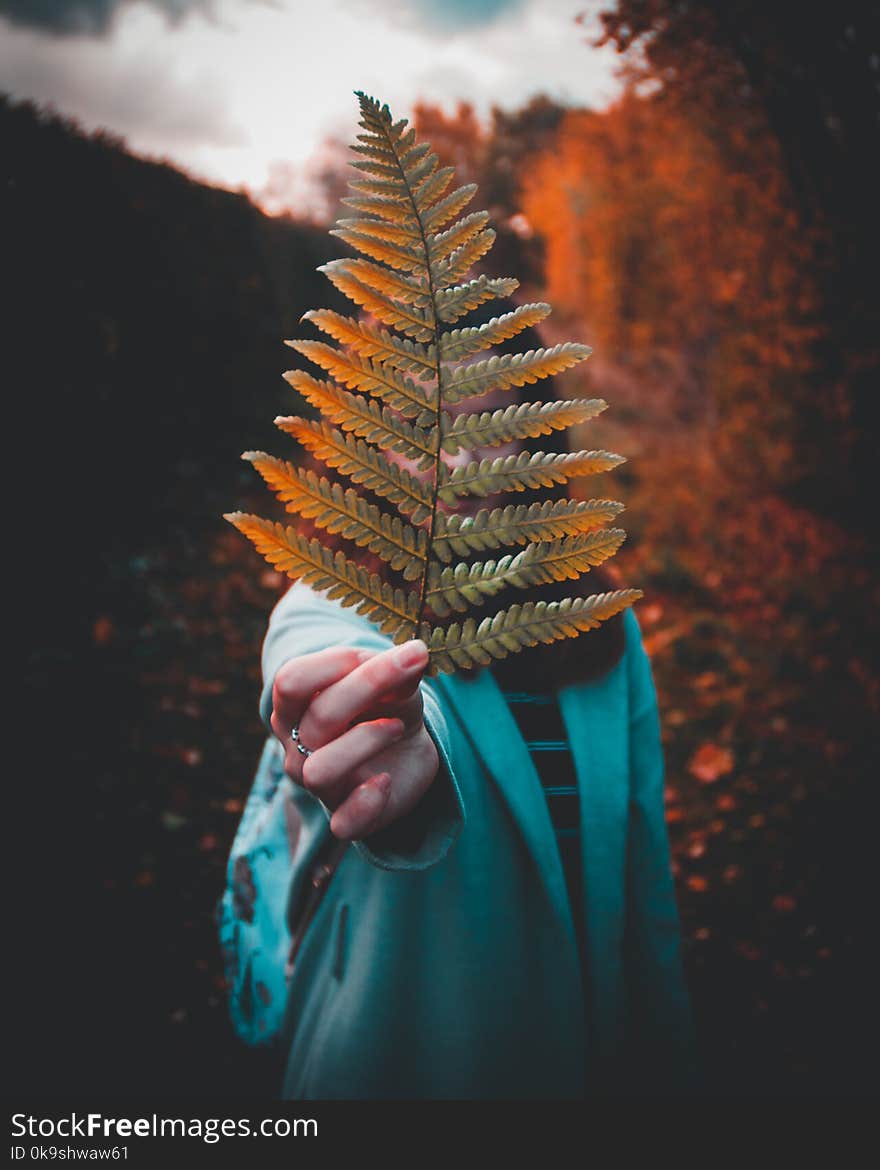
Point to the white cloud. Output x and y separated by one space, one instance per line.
88 17
265 83
440 16
160 101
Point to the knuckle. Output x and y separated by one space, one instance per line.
395 728
340 660
317 727
286 680
352 658
376 734
378 671
314 773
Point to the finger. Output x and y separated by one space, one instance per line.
339 705
360 812
327 769
404 703
401 694
299 679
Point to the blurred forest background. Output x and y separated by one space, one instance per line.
713 236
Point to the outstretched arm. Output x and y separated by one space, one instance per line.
380 764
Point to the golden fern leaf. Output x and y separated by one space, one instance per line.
343 511
510 630
388 210
370 342
413 322
392 378
565 559
441 213
386 281
372 146
364 418
378 229
465 585
441 246
428 192
461 343
388 187
524 420
359 373
464 258
402 256
452 303
538 564
519 524
518 472
393 610
364 464
507 370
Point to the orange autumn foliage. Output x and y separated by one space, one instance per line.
668 233
681 255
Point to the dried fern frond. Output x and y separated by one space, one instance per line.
392 379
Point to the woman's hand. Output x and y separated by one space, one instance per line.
360 714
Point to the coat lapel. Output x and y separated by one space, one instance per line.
596 719
495 736
595 715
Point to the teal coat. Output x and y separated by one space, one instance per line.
442 962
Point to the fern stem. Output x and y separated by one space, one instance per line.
435 494
423 584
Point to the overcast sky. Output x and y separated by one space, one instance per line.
227 88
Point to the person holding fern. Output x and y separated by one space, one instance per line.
452 876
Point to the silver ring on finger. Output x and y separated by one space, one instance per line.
300 746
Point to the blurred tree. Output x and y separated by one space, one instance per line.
495 157
810 74
309 192
687 271
459 138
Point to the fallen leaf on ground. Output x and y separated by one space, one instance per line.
710 762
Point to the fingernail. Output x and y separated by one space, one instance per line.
412 653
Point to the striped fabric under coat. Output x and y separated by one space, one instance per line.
540 722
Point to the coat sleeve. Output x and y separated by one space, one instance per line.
304 622
662 1040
